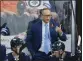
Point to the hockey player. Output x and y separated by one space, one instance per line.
16 54
59 53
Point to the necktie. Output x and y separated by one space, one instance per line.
46 40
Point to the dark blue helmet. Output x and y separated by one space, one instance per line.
16 42
4 30
58 46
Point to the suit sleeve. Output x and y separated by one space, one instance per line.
63 36
29 39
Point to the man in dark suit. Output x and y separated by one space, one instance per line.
41 35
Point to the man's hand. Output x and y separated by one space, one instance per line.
59 30
58 55
63 55
55 53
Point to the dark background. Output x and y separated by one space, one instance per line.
79 16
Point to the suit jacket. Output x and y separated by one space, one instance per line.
34 36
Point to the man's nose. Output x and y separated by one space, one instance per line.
48 17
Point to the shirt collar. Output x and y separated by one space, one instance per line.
45 23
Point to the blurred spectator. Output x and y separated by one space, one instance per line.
55 16
67 14
33 12
17 23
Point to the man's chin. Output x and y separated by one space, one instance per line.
47 22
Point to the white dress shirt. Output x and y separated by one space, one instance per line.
48 42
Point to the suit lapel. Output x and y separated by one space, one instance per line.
40 25
40 29
50 27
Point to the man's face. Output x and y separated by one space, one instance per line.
46 15
20 11
61 51
58 53
17 49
